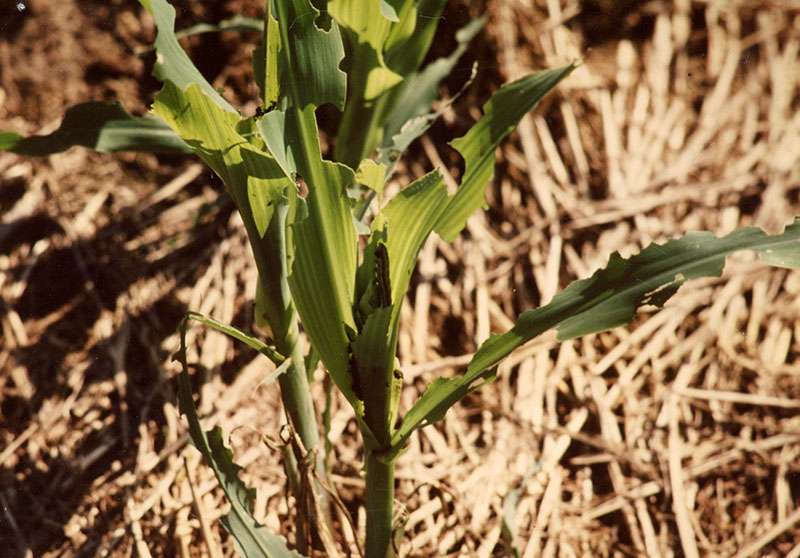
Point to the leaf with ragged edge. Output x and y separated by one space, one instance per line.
253 540
421 207
234 150
501 114
308 57
606 300
253 179
421 89
172 63
103 127
425 206
368 25
371 175
322 247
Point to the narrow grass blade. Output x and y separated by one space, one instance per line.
608 299
414 127
103 127
236 23
239 335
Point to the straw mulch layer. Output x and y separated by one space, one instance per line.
676 436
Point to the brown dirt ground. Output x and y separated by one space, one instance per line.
676 436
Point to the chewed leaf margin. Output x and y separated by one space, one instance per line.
608 299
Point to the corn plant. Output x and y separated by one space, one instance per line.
338 260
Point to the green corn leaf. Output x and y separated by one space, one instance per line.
172 63
254 180
373 351
274 311
411 35
322 260
403 225
501 114
322 278
422 88
233 148
103 127
398 233
606 300
308 57
368 27
239 335
379 64
253 540
265 61
424 205
322 242
281 137
410 217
